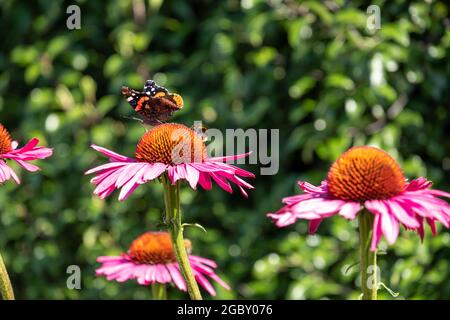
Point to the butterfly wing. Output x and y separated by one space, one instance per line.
154 104
152 89
162 107
138 101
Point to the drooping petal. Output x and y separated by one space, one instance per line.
205 181
432 225
402 214
162 274
314 225
221 182
350 210
202 260
7 173
127 173
376 232
154 171
192 176
221 173
150 274
203 282
28 166
176 276
389 223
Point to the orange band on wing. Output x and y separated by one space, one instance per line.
140 103
159 94
178 100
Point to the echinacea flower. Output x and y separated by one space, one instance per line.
151 259
8 150
171 148
368 177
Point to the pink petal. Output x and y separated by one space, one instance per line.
205 181
202 260
154 171
389 224
376 232
6 173
418 184
111 154
192 176
106 167
432 226
283 219
30 145
438 193
131 185
110 259
296 198
150 275
320 206
28 166
402 215
202 281
162 274
221 182
128 173
309 188
350 210
314 225
176 276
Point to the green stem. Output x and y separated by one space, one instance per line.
6 290
173 219
159 291
368 258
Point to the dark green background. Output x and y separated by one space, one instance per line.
302 67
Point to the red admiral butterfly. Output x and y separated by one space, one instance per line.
155 104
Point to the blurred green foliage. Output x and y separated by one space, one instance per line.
309 68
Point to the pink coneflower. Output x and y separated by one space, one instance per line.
8 150
367 177
151 260
171 148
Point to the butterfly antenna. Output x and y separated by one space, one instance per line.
141 122
132 118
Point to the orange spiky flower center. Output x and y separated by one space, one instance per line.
365 173
5 140
154 248
171 144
